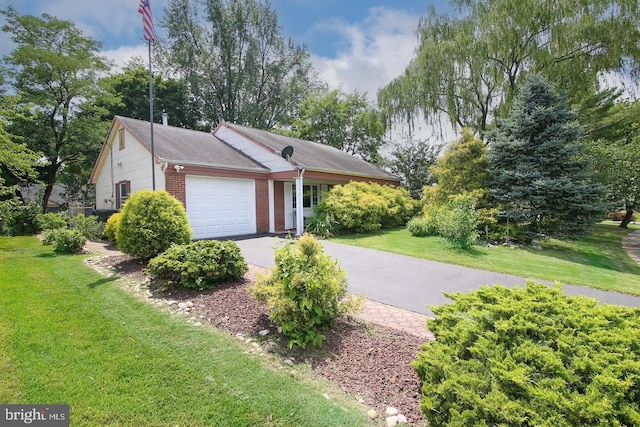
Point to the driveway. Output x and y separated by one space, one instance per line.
410 283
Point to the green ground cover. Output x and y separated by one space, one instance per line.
597 261
69 335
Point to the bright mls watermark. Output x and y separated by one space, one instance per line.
34 415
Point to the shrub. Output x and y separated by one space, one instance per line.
422 226
322 224
150 222
199 265
51 221
49 236
531 356
111 228
18 219
458 224
88 226
619 216
305 291
64 240
364 207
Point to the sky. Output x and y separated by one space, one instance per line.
354 44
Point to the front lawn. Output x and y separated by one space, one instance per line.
597 261
69 335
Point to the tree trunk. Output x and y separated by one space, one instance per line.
627 218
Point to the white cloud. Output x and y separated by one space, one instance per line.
124 54
374 52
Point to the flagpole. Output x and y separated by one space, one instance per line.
153 157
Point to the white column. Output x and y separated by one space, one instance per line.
299 203
272 208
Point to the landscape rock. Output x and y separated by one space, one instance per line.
392 421
371 413
391 411
263 332
402 419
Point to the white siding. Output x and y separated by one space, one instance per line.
133 164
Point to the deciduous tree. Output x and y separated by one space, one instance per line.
54 69
344 121
237 65
470 62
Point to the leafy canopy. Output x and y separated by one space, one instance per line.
471 62
54 69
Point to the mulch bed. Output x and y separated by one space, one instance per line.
372 363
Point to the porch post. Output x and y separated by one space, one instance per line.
299 203
272 208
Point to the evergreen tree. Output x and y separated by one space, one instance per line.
536 171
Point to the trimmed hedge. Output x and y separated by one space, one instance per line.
531 356
150 222
199 265
362 207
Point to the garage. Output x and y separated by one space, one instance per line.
219 207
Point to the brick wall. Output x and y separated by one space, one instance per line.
278 199
262 205
174 183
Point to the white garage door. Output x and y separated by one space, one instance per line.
220 207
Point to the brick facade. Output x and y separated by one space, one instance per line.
174 183
262 205
278 204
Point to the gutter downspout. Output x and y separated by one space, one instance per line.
299 203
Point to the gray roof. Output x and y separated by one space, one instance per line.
314 156
176 144
179 145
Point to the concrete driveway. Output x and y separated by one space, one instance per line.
410 283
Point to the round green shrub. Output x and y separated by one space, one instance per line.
111 227
362 207
199 265
421 226
531 356
305 291
51 221
89 226
150 222
64 240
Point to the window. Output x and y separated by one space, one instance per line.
123 189
310 195
121 139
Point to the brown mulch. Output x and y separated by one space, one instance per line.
372 363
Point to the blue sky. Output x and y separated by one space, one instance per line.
355 44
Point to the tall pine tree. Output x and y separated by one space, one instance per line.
536 173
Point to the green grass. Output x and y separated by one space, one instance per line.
69 335
597 261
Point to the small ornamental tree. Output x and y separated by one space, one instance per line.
531 356
150 222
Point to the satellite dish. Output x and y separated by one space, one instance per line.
287 152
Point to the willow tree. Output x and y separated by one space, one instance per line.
237 65
469 63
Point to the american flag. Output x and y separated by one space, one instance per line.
147 20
